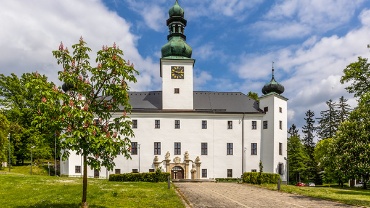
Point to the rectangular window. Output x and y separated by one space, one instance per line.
280 169
254 170
177 148
157 124
177 90
77 169
151 170
229 148
280 109
265 125
266 109
204 149
117 171
204 173
133 148
254 149
229 124
204 124
177 124
157 148
135 170
254 124
280 148
280 125
229 173
134 124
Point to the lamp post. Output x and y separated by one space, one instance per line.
9 161
55 153
139 157
287 170
31 158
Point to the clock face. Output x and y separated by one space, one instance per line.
177 72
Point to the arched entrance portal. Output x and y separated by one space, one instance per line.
177 172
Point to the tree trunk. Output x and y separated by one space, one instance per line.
84 183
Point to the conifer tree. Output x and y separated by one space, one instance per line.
328 123
308 135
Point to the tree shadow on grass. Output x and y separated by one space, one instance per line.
58 205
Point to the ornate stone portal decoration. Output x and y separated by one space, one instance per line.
195 169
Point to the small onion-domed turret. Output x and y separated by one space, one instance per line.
273 86
176 10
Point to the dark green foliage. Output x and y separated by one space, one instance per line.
297 157
328 123
227 180
309 146
253 95
260 178
357 73
142 177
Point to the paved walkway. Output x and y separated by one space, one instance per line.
230 195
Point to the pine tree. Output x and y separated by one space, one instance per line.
309 146
343 109
328 123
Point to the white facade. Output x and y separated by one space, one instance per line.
191 135
199 135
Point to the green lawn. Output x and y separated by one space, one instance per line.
19 190
352 196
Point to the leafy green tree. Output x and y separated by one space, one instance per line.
4 141
93 111
20 101
352 142
358 74
253 95
327 161
297 157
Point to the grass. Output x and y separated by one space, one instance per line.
22 191
351 196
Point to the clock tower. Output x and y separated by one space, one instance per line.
176 64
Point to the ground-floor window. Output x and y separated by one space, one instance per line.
204 173
117 171
77 169
157 148
135 170
229 173
254 170
151 170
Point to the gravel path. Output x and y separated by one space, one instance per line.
229 195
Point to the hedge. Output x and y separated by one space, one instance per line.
259 178
143 177
227 179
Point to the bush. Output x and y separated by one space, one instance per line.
259 178
157 176
227 179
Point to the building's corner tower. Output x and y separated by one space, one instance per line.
176 64
274 128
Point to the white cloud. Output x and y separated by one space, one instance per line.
299 18
30 31
201 78
313 68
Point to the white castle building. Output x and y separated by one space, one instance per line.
199 134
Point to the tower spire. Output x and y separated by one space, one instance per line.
273 86
176 46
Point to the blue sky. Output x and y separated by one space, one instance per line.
234 41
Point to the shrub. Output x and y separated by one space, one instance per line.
227 179
143 177
259 178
